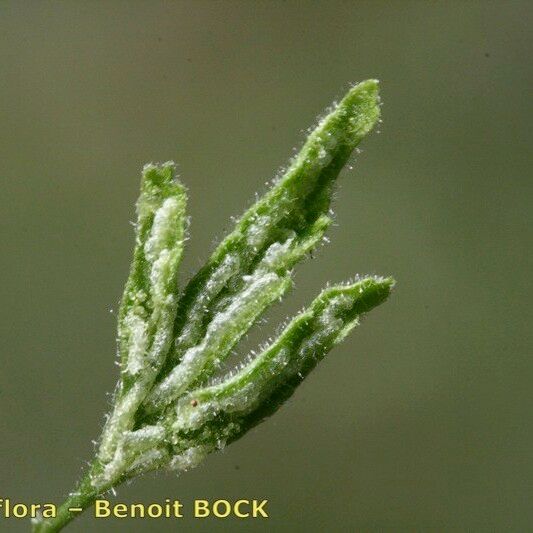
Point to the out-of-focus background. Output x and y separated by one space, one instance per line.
421 420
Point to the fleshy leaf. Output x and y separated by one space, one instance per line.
223 412
148 307
272 236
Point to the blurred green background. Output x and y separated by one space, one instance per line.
420 421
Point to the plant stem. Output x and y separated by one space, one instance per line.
82 498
